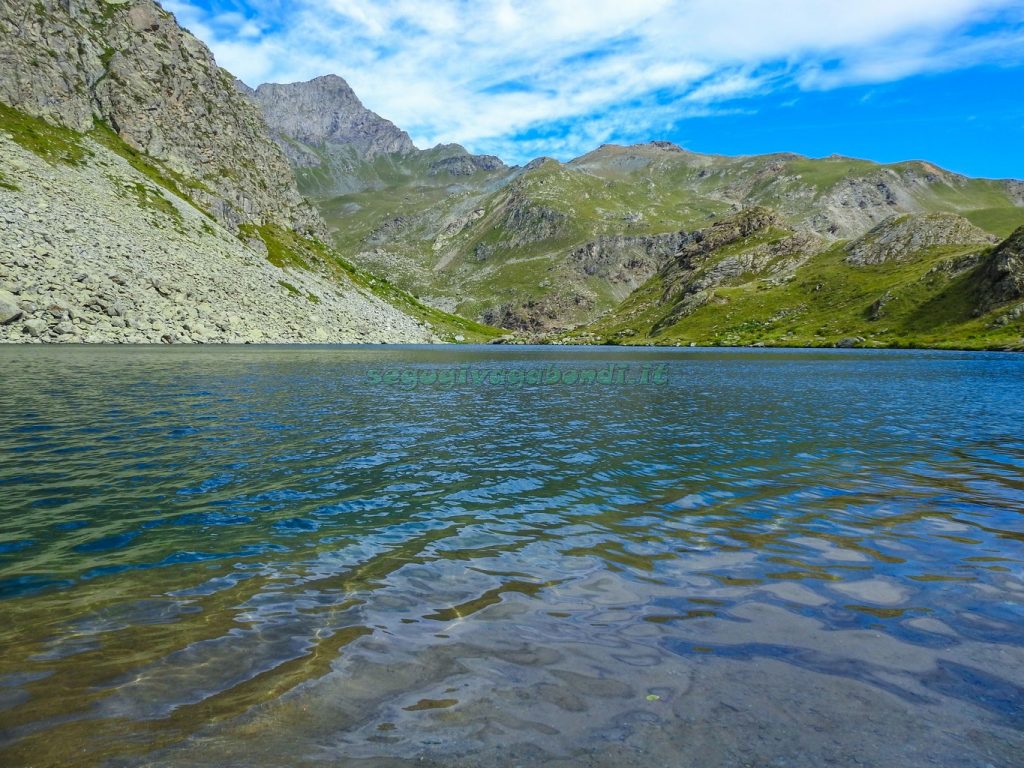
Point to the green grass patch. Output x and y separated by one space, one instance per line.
825 173
152 199
50 142
7 184
999 221
174 182
285 249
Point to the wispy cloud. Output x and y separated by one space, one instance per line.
522 77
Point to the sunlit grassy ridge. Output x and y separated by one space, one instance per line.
929 299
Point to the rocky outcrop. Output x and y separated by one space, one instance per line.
326 111
1000 278
9 307
461 163
751 243
98 252
706 241
626 261
538 315
525 220
127 64
902 236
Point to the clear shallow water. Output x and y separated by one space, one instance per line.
255 557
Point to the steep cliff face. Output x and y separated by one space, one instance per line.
326 111
626 261
127 64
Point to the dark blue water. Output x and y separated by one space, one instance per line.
274 556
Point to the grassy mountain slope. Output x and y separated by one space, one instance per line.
551 246
938 282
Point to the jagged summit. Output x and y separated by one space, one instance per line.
337 145
326 111
667 146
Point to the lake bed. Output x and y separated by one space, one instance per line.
563 556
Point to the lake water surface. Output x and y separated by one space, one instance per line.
272 557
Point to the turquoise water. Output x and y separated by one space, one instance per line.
270 556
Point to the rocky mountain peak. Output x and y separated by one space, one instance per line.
326 111
667 146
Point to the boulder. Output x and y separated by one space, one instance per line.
9 309
35 327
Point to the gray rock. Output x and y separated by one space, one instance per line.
1000 278
326 111
902 236
9 309
35 327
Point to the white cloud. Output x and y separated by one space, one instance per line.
573 71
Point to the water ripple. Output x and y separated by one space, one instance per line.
204 545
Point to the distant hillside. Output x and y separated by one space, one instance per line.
551 246
914 280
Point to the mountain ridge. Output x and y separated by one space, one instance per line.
505 247
645 243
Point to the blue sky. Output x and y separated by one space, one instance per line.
888 80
